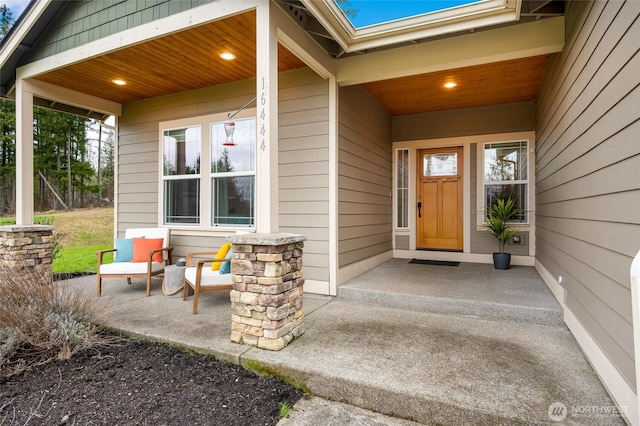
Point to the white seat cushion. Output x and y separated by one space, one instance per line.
209 278
124 268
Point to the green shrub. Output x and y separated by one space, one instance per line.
41 320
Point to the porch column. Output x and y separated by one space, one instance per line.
266 299
24 154
27 250
267 120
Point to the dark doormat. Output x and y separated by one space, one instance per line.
434 262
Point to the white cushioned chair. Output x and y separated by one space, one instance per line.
200 277
136 269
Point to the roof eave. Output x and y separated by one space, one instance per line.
476 15
18 42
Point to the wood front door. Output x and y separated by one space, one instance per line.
439 202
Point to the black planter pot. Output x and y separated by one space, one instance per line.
501 260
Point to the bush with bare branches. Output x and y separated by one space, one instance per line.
41 321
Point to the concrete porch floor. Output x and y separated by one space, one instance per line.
429 344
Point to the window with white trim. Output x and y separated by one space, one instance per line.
506 174
233 175
220 194
181 150
402 188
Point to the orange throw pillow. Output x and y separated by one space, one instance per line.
142 247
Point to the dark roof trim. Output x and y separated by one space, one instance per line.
19 56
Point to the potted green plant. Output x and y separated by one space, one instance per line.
497 222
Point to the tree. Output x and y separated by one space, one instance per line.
6 20
63 154
7 133
60 154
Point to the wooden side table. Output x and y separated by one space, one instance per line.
173 281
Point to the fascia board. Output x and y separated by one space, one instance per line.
488 12
501 44
190 18
436 29
21 32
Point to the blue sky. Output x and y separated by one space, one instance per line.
371 12
16 6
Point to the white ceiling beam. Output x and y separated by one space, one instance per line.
71 97
501 44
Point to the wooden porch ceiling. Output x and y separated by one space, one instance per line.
496 83
175 63
189 60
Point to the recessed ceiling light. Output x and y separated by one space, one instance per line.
119 82
450 84
227 56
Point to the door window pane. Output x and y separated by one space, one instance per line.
441 164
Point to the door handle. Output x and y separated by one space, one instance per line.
419 207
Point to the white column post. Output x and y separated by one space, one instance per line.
333 185
24 154
634 417
267 120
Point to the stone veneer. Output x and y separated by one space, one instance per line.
27 249
267 289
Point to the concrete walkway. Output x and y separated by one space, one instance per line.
446 345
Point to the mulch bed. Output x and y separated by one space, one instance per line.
142 383
68 275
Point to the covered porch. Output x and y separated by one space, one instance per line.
428 343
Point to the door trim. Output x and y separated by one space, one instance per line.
438 184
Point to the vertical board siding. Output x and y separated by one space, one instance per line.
303 160
303 166
82 22
588 171
364 177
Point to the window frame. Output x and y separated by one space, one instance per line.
484 183
179 177
206 201
252 172
397 188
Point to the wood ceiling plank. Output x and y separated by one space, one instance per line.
189 60
500 82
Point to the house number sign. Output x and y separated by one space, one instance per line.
262 115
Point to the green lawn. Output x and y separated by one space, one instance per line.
81 234
80 259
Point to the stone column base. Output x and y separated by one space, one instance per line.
27 249
268 285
